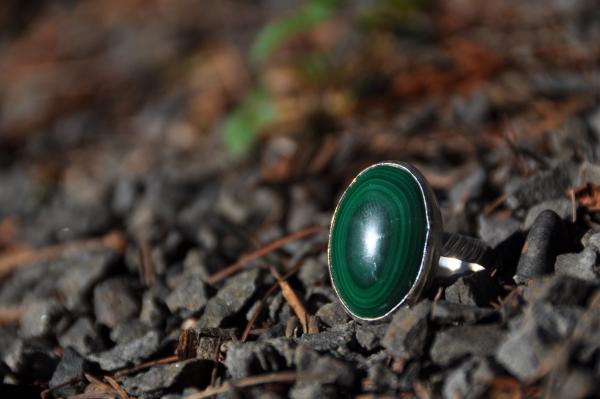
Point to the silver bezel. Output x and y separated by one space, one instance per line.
433 237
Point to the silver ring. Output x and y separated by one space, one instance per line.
386 242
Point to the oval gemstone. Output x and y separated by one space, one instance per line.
378 235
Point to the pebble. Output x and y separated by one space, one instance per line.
159 380
369 335
128 353
544 241
583 265
83 336
475 289
188 297
407 333
331 339
456 342
68 378
495 230
332 314
561 206
114 301
40 318
445 312
230 299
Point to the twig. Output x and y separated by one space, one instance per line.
246 259
284 376
115 385
143 366
10 314
147 269
20 258
573 205
495 205
213 373
263 301
290 296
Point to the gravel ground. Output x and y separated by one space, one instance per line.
143 254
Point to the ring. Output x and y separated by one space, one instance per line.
386 242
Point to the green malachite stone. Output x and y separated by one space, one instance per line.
378 235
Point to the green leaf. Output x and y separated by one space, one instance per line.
278 32
242 127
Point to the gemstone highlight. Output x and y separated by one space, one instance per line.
377 239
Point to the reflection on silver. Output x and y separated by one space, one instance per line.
451 267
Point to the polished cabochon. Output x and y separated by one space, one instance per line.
383 239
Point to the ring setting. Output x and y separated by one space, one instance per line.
385 241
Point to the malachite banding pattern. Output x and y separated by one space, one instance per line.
377 239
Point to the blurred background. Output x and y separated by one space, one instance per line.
177 135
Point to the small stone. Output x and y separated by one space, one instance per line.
83 337
330 339
128 330
163 378
544 241
129 353
39 318
68 378
444 312
230 299
584 265
188 297
313 272
81 273
524 349
153 313
332 314
559 289
408 330
31 360
114 301
456 342
468 380
543 186
369 336
561 206
250 358
495 230
475 289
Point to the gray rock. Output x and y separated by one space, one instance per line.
584 265
444 312
313 272
408 330
114 301
543 186
559 289
457 342
188 297
544 241
474 289
39 318
329 377
524 349
332 314
230 299
82 336
494 230
369 335
561 206
330 339
163 378
469 380
558 84
31 360
129 330
68 378
152 312
81 274
129 353
245 359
